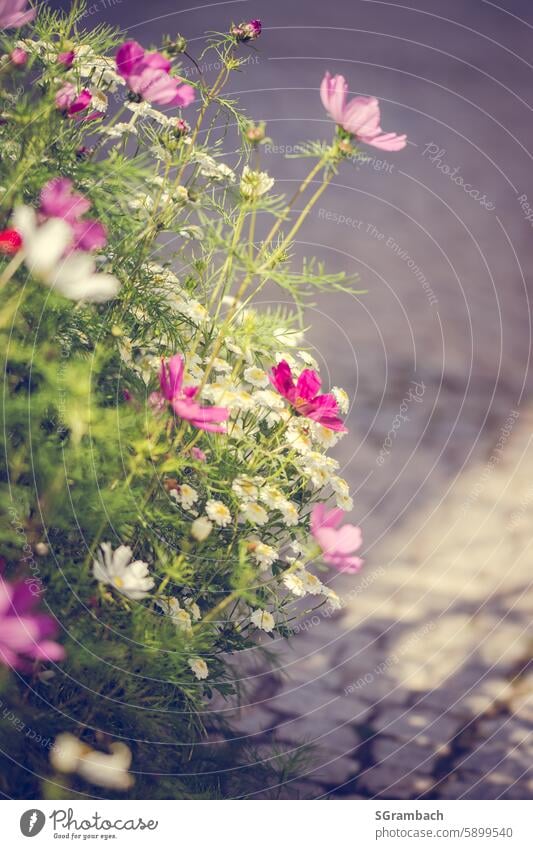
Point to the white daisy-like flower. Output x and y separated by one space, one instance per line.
269 399
118 130
326 437
195 311
272 496
289 511
245 488
295 584
345 502
218 513
199 667
256 376
220 365
263 619
264 555
253 512
342 399
201 528
185 495
311 583
233 347
308 359
254 184
298 438
213 169
115 568
334 601
193 609
171 607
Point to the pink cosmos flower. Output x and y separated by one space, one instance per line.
13 13
147 74
69 100
181 398
304 398
338 544
59 200
360 117
24 633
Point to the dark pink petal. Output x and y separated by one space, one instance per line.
66 58
308 384
80 102
156 61
281 379
58 200
171 376
89 235
25 596
128 55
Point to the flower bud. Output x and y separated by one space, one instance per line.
182 128
174 46
10 242
246 30
255 133
18 57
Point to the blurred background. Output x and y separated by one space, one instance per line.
419 686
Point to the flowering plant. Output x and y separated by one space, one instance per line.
166 442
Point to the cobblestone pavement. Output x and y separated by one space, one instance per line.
420 686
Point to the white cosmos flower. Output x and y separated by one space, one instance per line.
185 495
69 755
263 619
115 568
74 276
253 512
218 513
199 667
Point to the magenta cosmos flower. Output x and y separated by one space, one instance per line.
59 200
337 544
14 13
75 104
360 116
181 398
24 633
147 74
303 396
